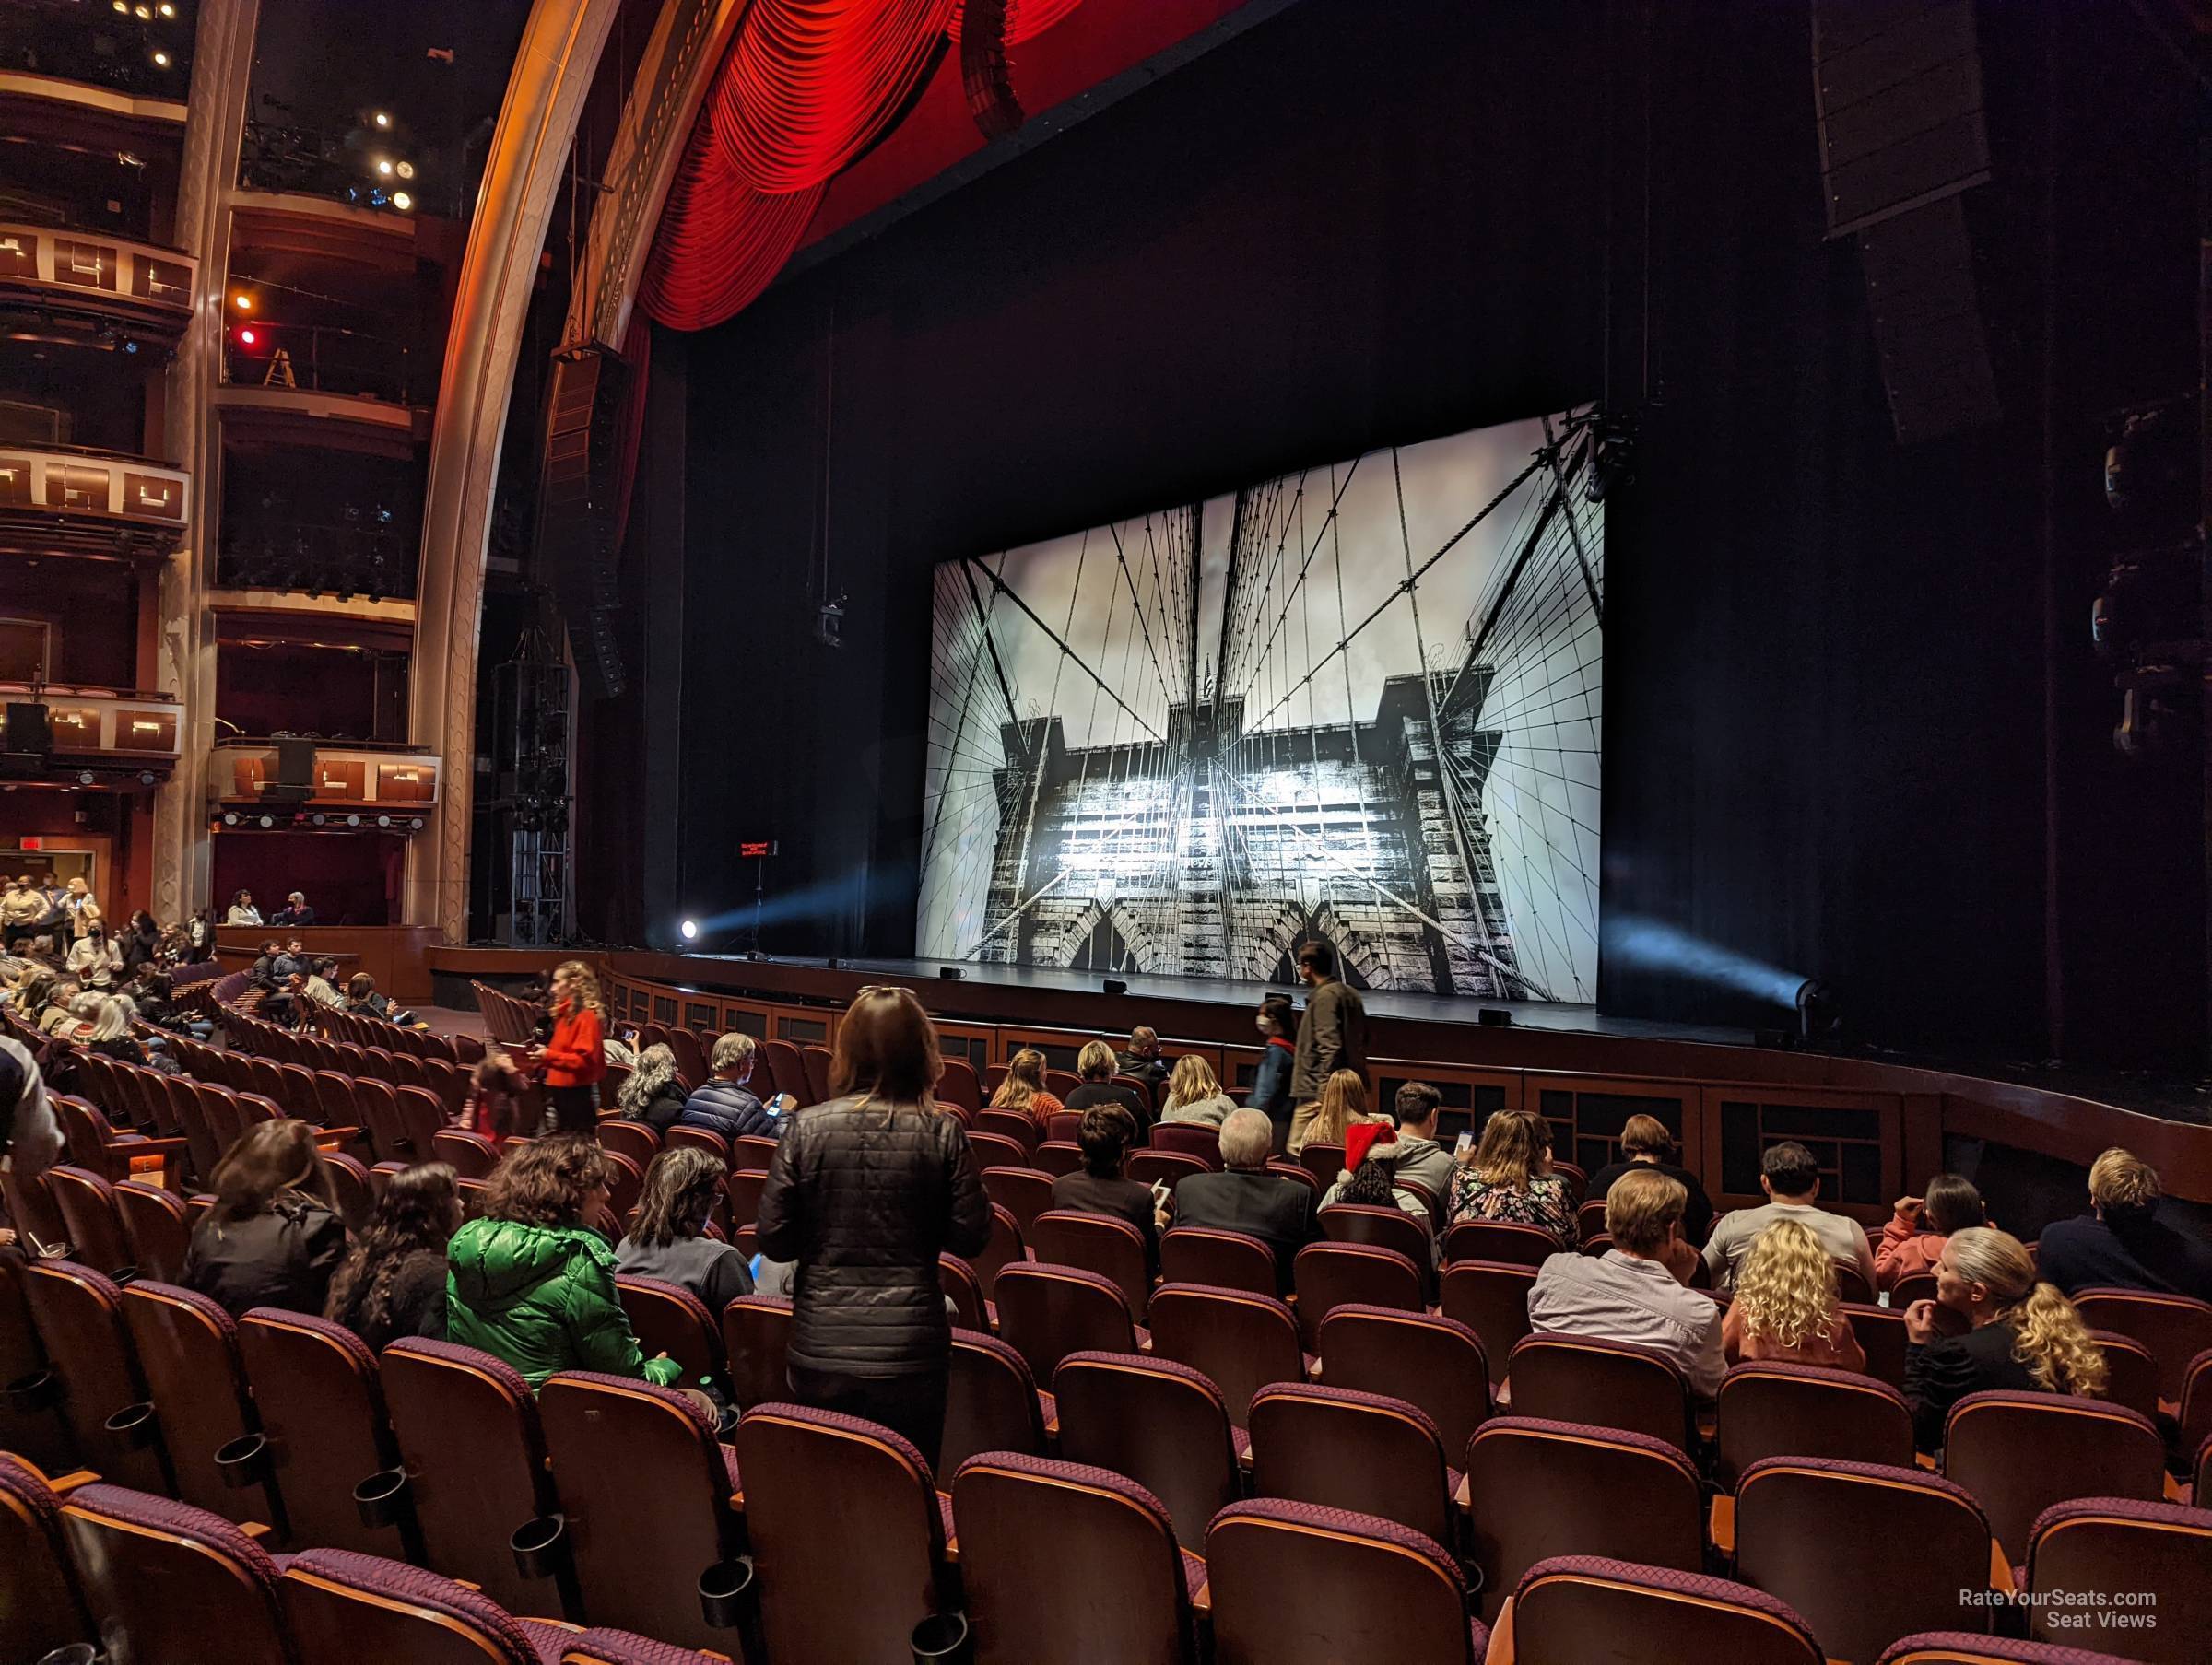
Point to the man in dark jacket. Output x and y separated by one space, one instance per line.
264 974
1249 1199
865 1192
2125 1244
1140 1059
725 1105
1332 1034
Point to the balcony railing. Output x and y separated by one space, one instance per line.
323 358
60 499
322 560
278 157
98 735
351 783
96 282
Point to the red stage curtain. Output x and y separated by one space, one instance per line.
1025 18
721 242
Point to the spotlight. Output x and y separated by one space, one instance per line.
160 59
248 338
146 12
244 303
383 165
416 823
129 346
268 820
383 820
353 820
405 169
84 777
402 201
1113 985
382 119
146 777
690 930
230 819
166 10
316 818
123 7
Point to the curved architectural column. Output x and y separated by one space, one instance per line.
214 128
553 70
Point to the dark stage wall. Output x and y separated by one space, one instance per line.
1358 224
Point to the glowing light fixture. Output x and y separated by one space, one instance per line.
690 930
382 119
383 165
405 169
247 337
244 303
402 201
160 59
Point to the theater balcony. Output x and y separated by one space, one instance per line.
69 285
74 500
304 782
119 739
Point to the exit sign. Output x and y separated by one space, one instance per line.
749 848
30 842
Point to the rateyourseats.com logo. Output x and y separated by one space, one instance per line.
2075 1610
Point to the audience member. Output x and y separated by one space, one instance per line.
393 1285
81 1017
1332 1036
1418 1155
157 1006
321 988
1023 1089
1094 1063
726 1104
1370 1177
242 911
1508 1178
1627 1293
295 912
1248 1198
274 1238
262 974
496 1088
291 961
1195 1094
1140 1059
2123 1243
2024 1336
575 1055
1646 1143
110 1036
199 937
1343 1102
30 990
1099 1189
94 959
1912 1240
140 940
21 910
864 1193
1787 1308
78 900
363 999
59 1017
530 1282
1270 1094
652 1095
1792 1181
31 1133
667 1240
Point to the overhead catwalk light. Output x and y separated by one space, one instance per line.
146 12
166 10
242 302
382 121
231 818
402 201
248 338
405 169
353 820
268 820
383 165
160 59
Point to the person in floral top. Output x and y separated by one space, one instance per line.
1508 1178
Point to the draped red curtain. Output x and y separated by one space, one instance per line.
809 85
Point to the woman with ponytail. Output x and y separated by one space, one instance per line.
2020 1336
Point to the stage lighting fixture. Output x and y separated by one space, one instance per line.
416 823
268 820
383 167
146 13
382 119
123 7
405 169
690 930
353 820
402 201
1612 457
244 303
166 10
247 338
383 820
160 59
146 777
230 819
84 777
316 818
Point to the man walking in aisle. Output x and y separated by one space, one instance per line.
1331 1034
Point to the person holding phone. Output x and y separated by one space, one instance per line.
1107 1133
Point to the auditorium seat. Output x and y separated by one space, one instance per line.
2175 1328
741 1190
756 1335
1777 1410
1102 1243
787 1070
103 1399
957 1279
1964 1648
1296 1584
1573 1610
1385 1229
317 1391
169 1577
468 1155
1606 1384
991 1401
635 1140
600 1645
90 1220
1062 1127
32 1212
334 1105
818 1484
1017 1125
2194 1415
1537 1489
1060 1083
2020 1453
690 1056
2130 1372
698 1139
1500 1241
1190 1139
1366 1452
2156 1554
1046 1312
154 1224
1153 1421
816 1061
1023 1522
996 1150
1491 1297
1224 1260
1880 1332
1865 1551
624 1184
187 1348
379 1106
667 1318
1024 1192
31 1421
1434 1362
1005 1249
1323 1161
647 1494
420 1117
1240 1340
1590 1220
960 1085
342 1607
1058 1157
466 1428
749 1153
1336 1274
42 1609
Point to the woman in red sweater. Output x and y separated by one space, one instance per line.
575 1056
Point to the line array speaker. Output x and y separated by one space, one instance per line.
577 537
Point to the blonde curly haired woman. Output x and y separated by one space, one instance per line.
2023 1336
1787 1308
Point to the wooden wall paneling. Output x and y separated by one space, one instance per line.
1858 1139
1587 1112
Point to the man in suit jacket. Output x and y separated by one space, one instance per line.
1249 1199
1332 1034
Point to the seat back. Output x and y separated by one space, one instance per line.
1148 1167
741 1187
647 1492
1537 1489
1605 1384
1777 1410
960 1085
471 1155
342 1606
2020 1453
756 1336
468 1433
2119 1543
817 1061
1190 1139
1965 1647
1024 1192
1880 1332
1296 1584
1019 1519
1327 1275
420 1117
44 1609
1101 1243
1500 1240
87 1203
1574 1609
153 1223
1366 1452
334 1104
751 1154
996 1150
187 1348
667 1318
1223 1260
79 1319
1160 1424
788 1071
165 1578
2130 1372
1046 1312
816 1484
960 1286
990 1402
2175 1328
317 1392
1434 1362
379 1106
1017 1125
2196 1411
698 1139
1005 1249
1058 1157
635 1140
1325 1162
1238 1340
1390 1227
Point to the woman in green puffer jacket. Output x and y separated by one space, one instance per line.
529 1283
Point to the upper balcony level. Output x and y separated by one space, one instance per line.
354 784
139 48
92 737
74 500
83 286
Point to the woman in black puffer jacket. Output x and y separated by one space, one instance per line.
865 1192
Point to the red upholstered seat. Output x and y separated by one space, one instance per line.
1776 1410
343 1607
1574 1609
2162 1550
991 1402
1160 1424
171 1576
1366 1452
1238 1340
2020 1453
43 1609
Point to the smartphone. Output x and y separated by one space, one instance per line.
1465 1144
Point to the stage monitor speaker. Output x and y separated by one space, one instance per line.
577 537
1898 86
28 734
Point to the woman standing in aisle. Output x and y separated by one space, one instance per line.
575 1055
